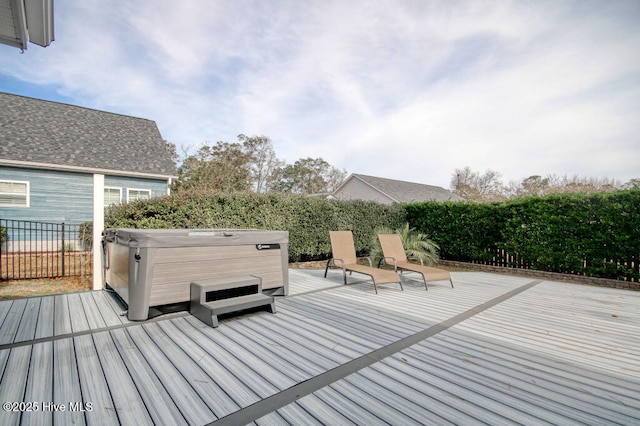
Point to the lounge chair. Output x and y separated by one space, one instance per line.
394 255
344 257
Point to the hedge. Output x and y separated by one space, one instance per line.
585 234
307 219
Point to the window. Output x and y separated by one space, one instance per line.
14 193
138 194
112 196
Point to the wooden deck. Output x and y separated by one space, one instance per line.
493 350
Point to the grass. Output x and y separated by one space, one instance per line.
16 289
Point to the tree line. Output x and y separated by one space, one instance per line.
488 186
251 165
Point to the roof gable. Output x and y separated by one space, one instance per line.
406 192
51 133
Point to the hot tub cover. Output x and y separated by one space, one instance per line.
195 237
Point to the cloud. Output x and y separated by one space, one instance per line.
400 89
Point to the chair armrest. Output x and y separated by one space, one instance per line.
369 259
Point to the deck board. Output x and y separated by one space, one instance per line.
77 313
28 321
159 403
91 311
109 315
45 318
95 389
40 385
553 353
66 382
185 397
61 316
127 401
14 380
12 321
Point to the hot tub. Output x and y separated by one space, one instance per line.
155 267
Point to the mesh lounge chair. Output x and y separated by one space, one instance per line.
344 257
394 255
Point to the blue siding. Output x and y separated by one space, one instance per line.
157 187
54 196
66 196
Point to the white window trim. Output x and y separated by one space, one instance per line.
137 189
112 188
28 194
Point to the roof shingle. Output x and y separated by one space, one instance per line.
38 131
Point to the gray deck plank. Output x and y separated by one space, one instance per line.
157 400
29 320
289 372
312 410
93 383
109 315
45 318
307 335
128 403
116 304
79 321
91 311
14 380
251 380
210 392
61 316
274 376
66 382
313 362
195 346
5 307
555 353
191 406
40 385
12 321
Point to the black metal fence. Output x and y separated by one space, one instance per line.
30 250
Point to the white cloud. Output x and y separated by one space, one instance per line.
401 89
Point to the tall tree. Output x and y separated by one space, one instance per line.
307 176
215 168
262 160
473 186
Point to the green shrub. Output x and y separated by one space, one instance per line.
586 234
307 219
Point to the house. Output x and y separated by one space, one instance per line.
64 163
24 21
388 191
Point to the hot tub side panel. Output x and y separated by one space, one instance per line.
174 268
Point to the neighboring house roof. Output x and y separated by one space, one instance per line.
23 21
395 190
43 134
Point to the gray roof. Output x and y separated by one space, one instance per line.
51 133
408 192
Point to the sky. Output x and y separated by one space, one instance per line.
400 89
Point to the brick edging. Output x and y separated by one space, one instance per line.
551 276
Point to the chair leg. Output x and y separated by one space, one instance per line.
327 268
451 281
425 282
374 286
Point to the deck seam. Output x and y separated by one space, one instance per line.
281 399
92 331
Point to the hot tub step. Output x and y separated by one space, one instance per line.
210 298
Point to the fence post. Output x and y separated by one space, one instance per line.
63 271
